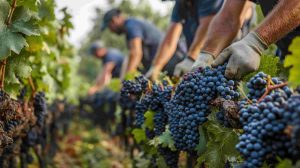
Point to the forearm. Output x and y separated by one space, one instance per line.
225 26
283 19
221 33
164 54
200 36
168 46
103 81
135 58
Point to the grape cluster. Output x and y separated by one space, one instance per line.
140 108
189 107
263 123
171 157
131 92
159 96
292 118
40 108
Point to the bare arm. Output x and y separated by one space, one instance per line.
225 26
283 19
168 46
135 54
200 36
104 77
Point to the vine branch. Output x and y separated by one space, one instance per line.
271 87
2 73
11 12
32 85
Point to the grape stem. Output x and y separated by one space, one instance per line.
2 73
32 85
271 87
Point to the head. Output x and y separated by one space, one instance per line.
98 50
114 20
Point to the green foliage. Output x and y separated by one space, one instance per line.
268 65
164 140
115 85
142 10
220 145
292 62
139 135
149 123
284 164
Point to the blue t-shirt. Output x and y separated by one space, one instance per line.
150 35
191 21
115 56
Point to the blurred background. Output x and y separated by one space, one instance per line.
87 16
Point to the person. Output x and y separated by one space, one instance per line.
142 39
280 26
190 18
112 60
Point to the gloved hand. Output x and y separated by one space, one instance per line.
153 73
204 59
184 66
244 56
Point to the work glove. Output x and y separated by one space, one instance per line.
243 56
204 60
184 66
153 73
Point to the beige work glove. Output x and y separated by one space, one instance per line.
183 66
204 60
243 56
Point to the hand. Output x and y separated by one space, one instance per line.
204 60
243 56
93 90
183 67
153 73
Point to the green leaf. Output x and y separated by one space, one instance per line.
4 8
115 85
286 163
166 140
139 135
17 67
292 62
201 147
149 120
27 28
13 42
220 146
213 157
30 4
268 65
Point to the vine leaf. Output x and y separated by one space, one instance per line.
17 67
139 135
13 34
30 4
220 146
268 65
165 140
149 120
13 42
27 28
286 163
292 62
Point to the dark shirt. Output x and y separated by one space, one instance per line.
115 56
150 35
191 22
